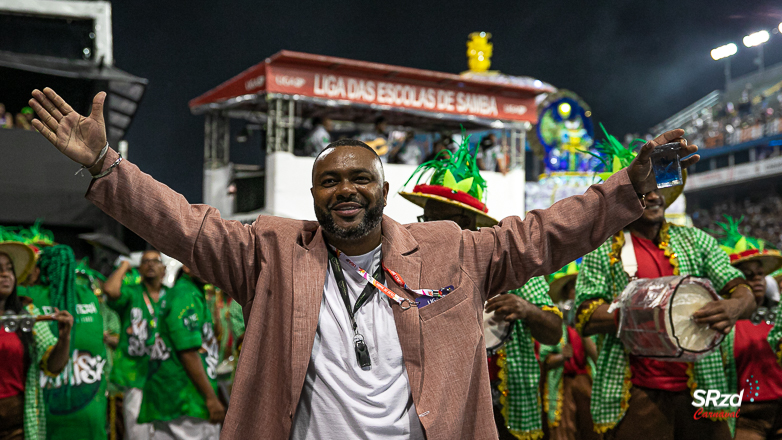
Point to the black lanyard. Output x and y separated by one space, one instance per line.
362 352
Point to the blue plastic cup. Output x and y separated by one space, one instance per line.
666 165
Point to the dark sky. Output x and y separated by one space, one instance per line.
634 62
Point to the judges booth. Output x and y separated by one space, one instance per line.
265 109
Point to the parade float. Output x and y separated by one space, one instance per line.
280 94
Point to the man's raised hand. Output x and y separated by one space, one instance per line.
78 137
640 170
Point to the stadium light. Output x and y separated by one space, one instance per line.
780 27
724 51
756 39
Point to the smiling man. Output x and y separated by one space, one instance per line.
323 353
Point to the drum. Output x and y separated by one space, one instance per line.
496 333
656 318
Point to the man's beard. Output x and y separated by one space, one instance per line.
372 218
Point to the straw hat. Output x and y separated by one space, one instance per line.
454 180
742 249
559 279
22 256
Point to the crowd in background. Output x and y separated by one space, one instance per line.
761 217
732 123
402 145
141 339
22 120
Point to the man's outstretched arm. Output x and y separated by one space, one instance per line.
222 252
506 256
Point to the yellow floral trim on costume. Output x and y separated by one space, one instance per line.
779 354
560 397
502 364
553 309
691 383
45 362
616 247
601 428
586 314
665 245
546 405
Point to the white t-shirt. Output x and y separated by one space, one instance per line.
339 399
489 157
317 140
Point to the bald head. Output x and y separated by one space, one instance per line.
348 147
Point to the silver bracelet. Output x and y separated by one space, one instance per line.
109 169
100 156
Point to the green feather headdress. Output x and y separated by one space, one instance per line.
733 241
459 171
37 235
613 155
453 178
741 248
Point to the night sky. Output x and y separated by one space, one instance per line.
634 62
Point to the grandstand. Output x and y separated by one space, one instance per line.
740 172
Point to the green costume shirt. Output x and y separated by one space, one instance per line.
77 412
131 359
602 277
519 368
112 326
185 324
237 320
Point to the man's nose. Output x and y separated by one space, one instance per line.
345 188
653 196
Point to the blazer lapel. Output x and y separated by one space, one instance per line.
309 276
399 254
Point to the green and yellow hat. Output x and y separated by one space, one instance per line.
455 180
22 255
614 157
741 248
559 279
37 236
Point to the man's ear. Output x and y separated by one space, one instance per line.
385 193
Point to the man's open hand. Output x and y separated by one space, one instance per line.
78 137
640 170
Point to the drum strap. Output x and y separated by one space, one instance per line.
629 262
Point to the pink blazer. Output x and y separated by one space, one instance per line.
276 269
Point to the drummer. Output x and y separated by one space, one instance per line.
568 368
455 193
754 364
637 397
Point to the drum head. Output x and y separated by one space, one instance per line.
495 332
688 299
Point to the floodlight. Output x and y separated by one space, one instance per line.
724 51
756 39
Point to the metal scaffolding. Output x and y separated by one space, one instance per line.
217 142
280 123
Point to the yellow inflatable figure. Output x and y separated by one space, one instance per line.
479 51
